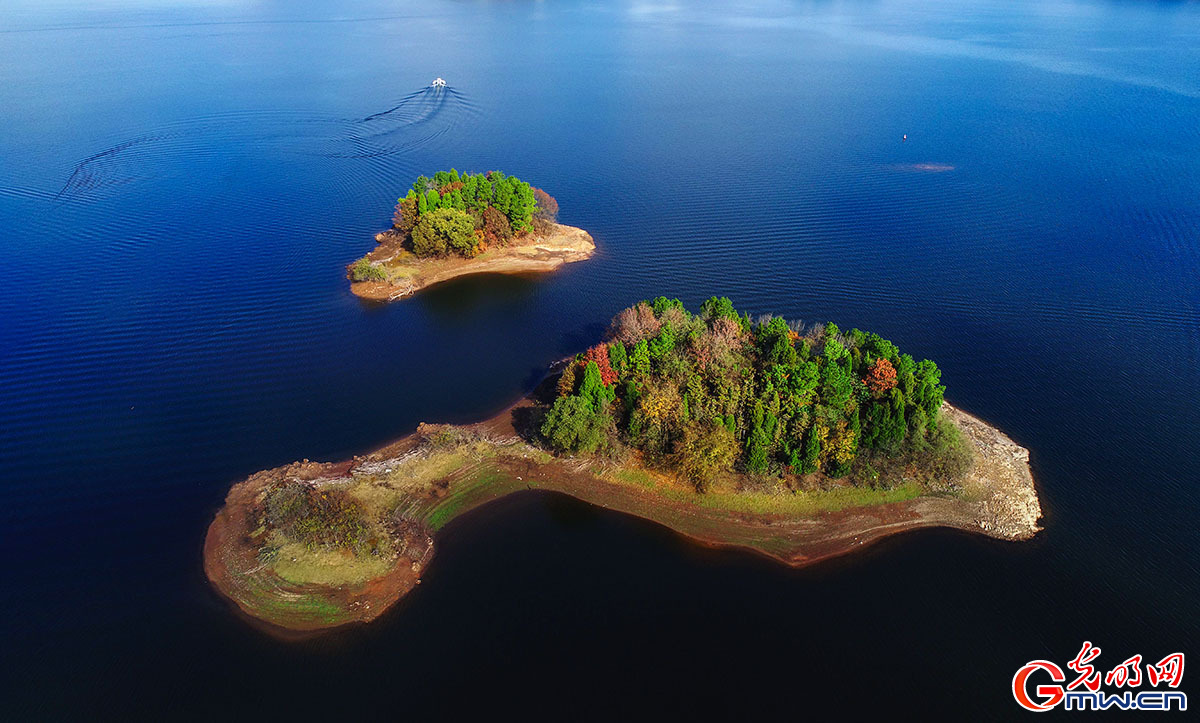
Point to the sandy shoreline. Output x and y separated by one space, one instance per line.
532 254
997 499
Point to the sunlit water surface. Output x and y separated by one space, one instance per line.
183 183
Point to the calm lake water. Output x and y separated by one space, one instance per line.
182 183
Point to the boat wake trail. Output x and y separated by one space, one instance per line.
98 170
413 121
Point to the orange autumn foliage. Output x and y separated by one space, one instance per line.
881 378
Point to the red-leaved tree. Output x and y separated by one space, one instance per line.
599 354
547 206
496 229
882 377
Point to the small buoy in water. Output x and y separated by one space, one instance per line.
905 138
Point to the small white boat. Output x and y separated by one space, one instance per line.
438 83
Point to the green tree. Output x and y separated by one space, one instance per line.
478 193
885 427
521 205
881 348
812 451
573 426
617 357
853 437
837 387
483 191
906 379
834 351
718 308
696 388
592 389
774 340
703 451
757 443
662 304
639 361
928 394
660 345
444 231
502 197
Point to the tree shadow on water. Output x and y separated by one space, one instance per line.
460 300
577 340
527 419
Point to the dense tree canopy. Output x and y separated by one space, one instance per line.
714 392
444 231
497 206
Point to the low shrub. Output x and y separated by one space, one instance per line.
364 270
318 518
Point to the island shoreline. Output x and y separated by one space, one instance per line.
796 543
531 254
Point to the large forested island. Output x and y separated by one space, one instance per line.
456 224
797 442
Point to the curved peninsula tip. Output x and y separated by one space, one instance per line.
799 443
456 224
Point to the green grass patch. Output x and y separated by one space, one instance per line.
806 504
299 565
779 502
262 594
401 269
636 477
487 484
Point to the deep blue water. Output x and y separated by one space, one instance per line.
181 186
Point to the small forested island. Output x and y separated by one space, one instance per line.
796 442
456 224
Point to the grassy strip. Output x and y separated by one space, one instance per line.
784 503
269 603
807 504
484 485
